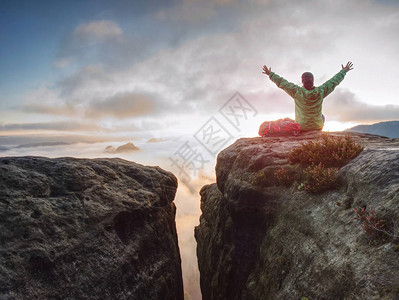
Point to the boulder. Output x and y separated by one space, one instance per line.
87 229
270 241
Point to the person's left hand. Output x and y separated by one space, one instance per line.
348 67
266 70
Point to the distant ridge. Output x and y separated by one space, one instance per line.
388 129
126 148
155 140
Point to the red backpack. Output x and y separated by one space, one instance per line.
280 127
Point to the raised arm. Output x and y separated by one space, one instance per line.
289 87
330 85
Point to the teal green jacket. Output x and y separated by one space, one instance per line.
308 103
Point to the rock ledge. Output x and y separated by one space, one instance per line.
275 242
87 229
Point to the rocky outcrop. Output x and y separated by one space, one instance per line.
87 229
126 148
269 241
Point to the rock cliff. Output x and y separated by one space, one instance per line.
270 241
87 229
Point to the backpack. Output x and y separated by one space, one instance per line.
280 127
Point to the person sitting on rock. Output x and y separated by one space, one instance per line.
308 98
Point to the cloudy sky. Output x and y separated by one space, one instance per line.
138 67
118 71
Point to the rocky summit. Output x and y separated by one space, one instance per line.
87 229
259 239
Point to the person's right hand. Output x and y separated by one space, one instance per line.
266 70
348 67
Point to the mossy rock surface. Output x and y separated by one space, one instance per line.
283 243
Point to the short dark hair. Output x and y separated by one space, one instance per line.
307 74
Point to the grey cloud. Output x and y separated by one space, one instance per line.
92 102
204 10
124 105
62 62
101 42
62 109
343 106
99 30
58 126
130 126
387 2
12 140
88 77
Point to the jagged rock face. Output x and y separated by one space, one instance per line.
87 229
275 242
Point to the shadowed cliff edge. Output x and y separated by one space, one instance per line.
87 229
270 241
